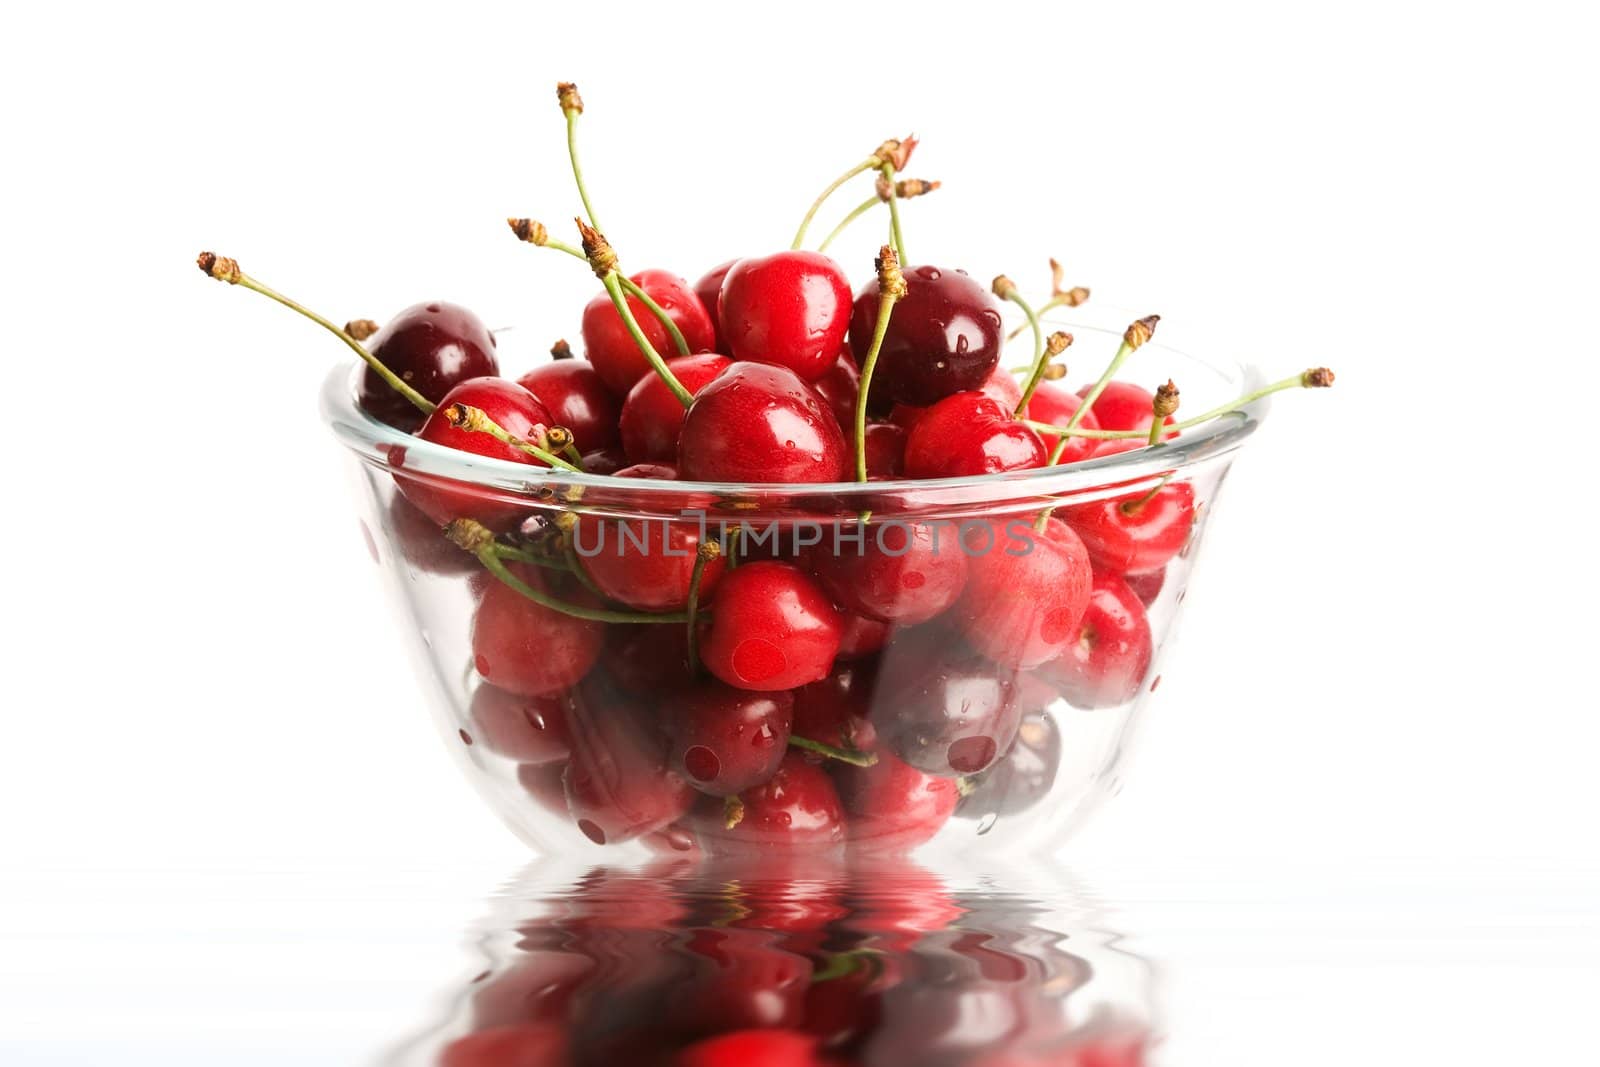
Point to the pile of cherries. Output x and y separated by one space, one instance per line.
700 693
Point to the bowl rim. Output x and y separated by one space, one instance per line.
379 444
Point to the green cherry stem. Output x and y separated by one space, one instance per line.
572 107
708 551
603 261
891 288
843 755
1133 338
833 187
227 270
855 213
1316 378
888 172
476 420
1164 404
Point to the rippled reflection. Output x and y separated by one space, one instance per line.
690 964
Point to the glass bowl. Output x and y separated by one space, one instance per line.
999 722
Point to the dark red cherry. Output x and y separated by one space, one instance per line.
618 784
433 347
1001 386
797 808
611 348
886 451
752 1048
836 710
645 563
759 423
1023 777
526 648
520 1045
940 707
571 390
839 385
647 659
772 627
894 807
1137 532
608 460
1108 662
968 434
791 309
944 336
725 740
905 572
1125 406
709 289
652 418
516 410
1053 404
525 729
1026 593
1147 585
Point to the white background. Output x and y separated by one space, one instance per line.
218 788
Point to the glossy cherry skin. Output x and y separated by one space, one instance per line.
516 410
571 390
1026 593
1023 777
941 708
752 1048
969 434
836 710
772 627
608 460
1053 404
1001 386
725 740
1146 585
433 347
886 451
1125 406
797 808
523 1045
905 572
611 348
1129 533
759 423
644 563
709 290
618 784
791 309
652 418
894 807
1108 662
839 386
944 336
525 729
526 648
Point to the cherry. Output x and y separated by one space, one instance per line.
1137 532
886 451
422 544
797 808
525 729
941 708
572 391
1023 777
839 385
611 348
709 289
901 572
618 784
944 336
525 1045
1001 386
791 308
433 347
526 648
646 660
644 563
546 784
893 806
771 628
652 417
1026 592
861 636
607 460
516 410
1123 406
1147 585
752 1048
835 709
1107 663
759 423
1053 404
969 434
726 740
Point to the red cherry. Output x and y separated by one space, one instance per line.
758 423
571 390
644 563
902 572
1125 406
968 434
1147 585
797 808
835 710
941 708
861 636
839 386
618 784
1023 777
725 740
1053 404
608 460
433 347
1026 592
944 336
709 289
423 544
516 410
526 1045
1001 386
611 348
893 806
526 729
771 628
652 417
546 784
791 309
752 1048
647 660
1133 533
1108 662
886 451
526 648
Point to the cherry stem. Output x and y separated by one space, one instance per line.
891 287
732 812
227 270
613 285
1040 356
1069 299
1131 507
865 165
633 290
843 755
888 172
708 551
523 555
855 213
1124 350
1299 381
572 107
476 420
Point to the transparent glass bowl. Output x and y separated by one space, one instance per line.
957 709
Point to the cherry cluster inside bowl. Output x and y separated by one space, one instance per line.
778 562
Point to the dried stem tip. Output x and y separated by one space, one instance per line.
709 550
529 230
602 258
1057 343
1166 401
558 437
361 329
1140 332
1317 378
561 350
1073 297
904 189
1003 286
896 153
891 282
469 534
221 268
567 93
